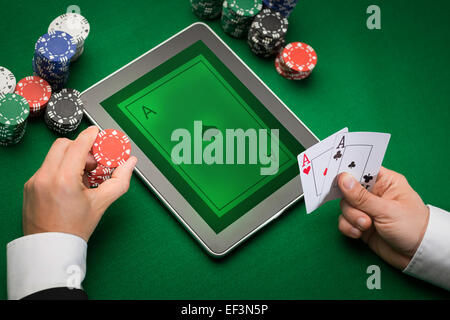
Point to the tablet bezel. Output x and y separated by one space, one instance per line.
271 207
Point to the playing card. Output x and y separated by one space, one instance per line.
358 153
313 165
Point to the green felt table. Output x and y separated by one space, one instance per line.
392 80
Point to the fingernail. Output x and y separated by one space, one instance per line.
133 159
355 232
361 222
348 182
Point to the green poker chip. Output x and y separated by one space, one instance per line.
237 16
207 9
14 112
14 109
246 8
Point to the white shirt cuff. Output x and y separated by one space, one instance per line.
45 260
431 262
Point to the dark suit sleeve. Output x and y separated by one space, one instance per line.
58 294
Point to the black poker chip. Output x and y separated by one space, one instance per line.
267 33
64 111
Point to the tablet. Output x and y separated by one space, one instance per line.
214 143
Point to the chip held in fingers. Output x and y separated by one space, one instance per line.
111 149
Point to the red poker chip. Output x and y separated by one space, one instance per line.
299 57
101 171
99 180
93 185
111 148
285 73
36 91
91 177
290 71
278 67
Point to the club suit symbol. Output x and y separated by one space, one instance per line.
367 178
337 155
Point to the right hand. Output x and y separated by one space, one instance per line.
56 199
391 219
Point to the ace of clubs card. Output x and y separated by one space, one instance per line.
358 153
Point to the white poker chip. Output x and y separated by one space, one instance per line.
7 81
78 53
74 24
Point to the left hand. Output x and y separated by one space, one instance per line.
392 219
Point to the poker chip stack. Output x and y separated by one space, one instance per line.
111 149
267 33
7 81
237 15
284 7
64 111
207 9
98 175
36 91
14 111
52 55
74 24
296 61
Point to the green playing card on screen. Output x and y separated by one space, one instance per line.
194 86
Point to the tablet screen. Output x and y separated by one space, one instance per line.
207 133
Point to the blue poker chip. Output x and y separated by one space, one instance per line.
285 7
57 47
55 81
52 55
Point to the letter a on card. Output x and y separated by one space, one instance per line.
313 164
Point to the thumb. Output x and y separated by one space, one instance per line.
110 190
358 196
